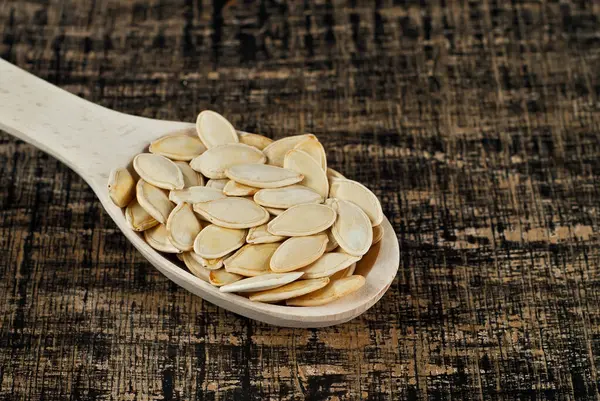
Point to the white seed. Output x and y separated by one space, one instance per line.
196 268
217 184
262 175
233 188
314 176
183 227
261 283
121 186
274 211
276 151
154 200
158 171
347 272
221 277
258 141
138 218
286 197
297 252
377 234
306 219
210 264
331 174
178 146
332 244
260 235
360 195
195 195
190 177
251 260
352 228
292 290
329 264
214 129
313 147
335 290
215 242
232 212
216 160
158 238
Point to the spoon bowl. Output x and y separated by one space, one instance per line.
92 140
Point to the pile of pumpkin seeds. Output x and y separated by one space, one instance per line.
264 219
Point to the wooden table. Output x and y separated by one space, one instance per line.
476 123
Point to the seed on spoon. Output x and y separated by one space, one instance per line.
347 272
314 176
216 160
183 227
274 211
158 171
217 184
377 234
261 283
232 212
301 220
214 129
360 195
121 186
158 238
328 264
352 228
190 177
276 151
214 241
196 268
292 290
286 197
258 141
195 195
251 260
210 264
297 252
332 244
262 175
154 200
233 188
138 218
313 147
332 174
260 235
335 290
221 277
179 146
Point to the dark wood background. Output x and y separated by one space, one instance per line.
476 123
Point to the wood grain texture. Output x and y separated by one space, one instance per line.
476 123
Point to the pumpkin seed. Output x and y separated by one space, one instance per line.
262 175
121 186
216 160
138 218
328 264
260 235
286 197
352 228
332 244
195 195
347 272
158 238
251 260
183 227
178 146
217 184
221 277
214 241
190 177
261 283
210 264
154 200
314 176
276 151
335 290
360 195
233 188
194 267
274 211
377 234
297 252
306 219
292 290
313 147
158 171
214 129
232 212
258 141
332 174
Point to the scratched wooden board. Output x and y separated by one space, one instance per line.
476 123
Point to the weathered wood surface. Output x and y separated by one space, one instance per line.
477 123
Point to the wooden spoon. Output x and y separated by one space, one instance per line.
92 140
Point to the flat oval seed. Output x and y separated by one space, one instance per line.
217 184
292 290
158 238
329 264
347 272
276 151
210 264
183 227
196 268
214 129
121 186
232 212
287 197
233 188
221 277
331 174
314 176
138 218
306 219
274 211
261 283
251 260
332 244
313 147
377 234
352 228
158 171
195 195
216 160
331 292
190 177
258 141
154 200
359 194
214 241
298 252
262 175
260 235
179 146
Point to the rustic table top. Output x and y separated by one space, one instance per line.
476 123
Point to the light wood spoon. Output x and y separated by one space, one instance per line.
92 140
